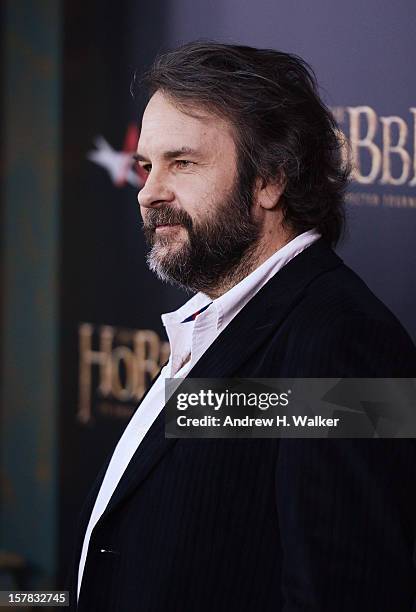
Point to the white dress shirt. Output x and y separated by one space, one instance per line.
188 342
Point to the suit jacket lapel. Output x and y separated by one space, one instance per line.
245 333
151 450
263 314
119 492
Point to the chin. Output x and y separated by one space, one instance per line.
169 244
162 253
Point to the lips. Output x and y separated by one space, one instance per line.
166 227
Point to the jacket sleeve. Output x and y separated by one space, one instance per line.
347 508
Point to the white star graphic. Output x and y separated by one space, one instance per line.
117 163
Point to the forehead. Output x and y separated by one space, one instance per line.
167 126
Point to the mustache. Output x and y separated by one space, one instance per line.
166 216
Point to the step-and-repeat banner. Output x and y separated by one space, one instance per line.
112 339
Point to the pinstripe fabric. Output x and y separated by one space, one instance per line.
289 525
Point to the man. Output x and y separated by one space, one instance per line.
243 198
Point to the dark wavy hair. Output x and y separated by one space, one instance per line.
283 130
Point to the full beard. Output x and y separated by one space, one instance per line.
218 252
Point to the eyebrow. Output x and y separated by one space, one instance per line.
170 154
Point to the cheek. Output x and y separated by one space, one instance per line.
202 196
192 198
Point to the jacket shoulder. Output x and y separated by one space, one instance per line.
340 328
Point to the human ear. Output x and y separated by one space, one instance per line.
268 193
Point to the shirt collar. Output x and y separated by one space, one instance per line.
231 302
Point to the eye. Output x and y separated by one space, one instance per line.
183 163
146 167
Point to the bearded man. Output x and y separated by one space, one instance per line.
242 202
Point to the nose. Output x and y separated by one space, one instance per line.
155 191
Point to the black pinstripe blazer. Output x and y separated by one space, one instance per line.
268 525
